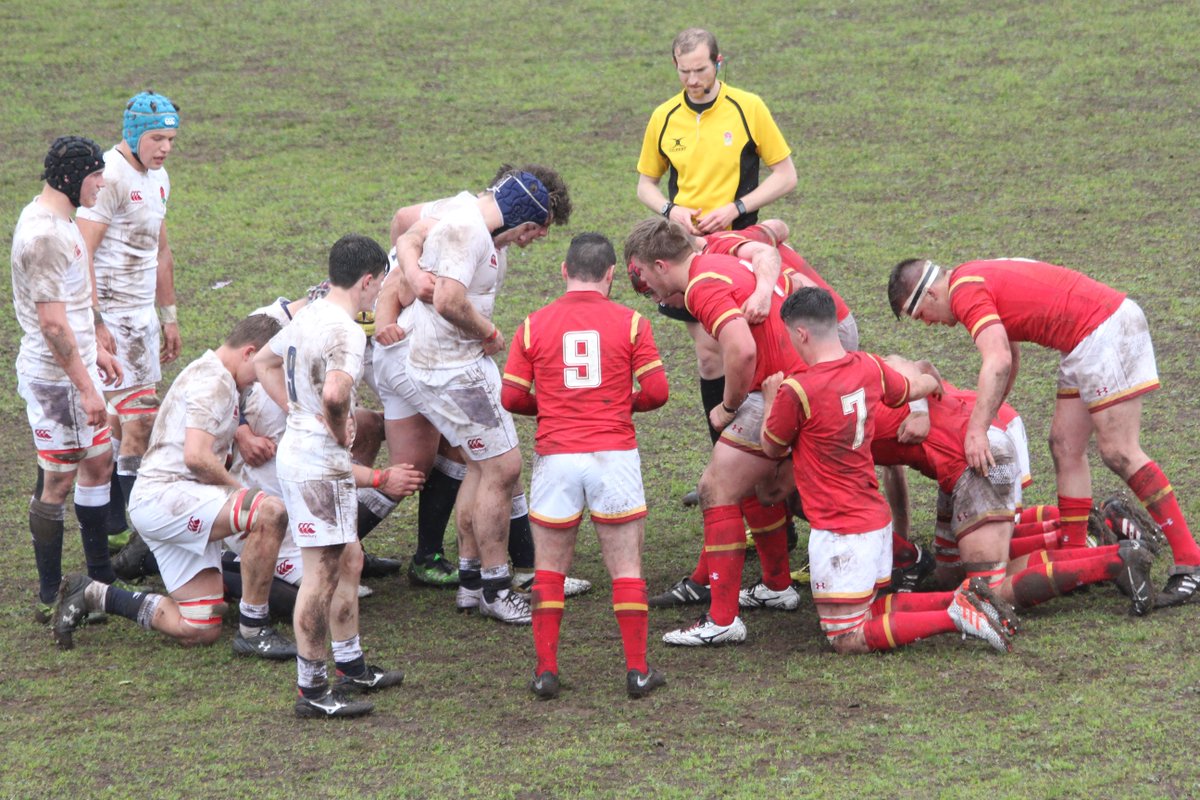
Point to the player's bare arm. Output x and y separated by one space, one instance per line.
770 388
207 466
93 234
269 368
450 301
767 264
653 198
408 254
52 319
781 181
739 355
255 450
395 294
164 296
402 220
994 372
335 404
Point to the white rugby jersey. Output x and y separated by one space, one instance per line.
49 265
459 247
321 338
133 204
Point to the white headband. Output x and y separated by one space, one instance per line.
929 274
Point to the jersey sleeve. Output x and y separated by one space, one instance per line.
647 367
896 388
651 161
789 412
972 303
516 392
452 251
772 147
207 405
344 351
47 258
709 300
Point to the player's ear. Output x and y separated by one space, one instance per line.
608 276
563 269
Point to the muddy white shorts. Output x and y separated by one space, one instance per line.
608 483
176 519
849 568
321 512
463 403
1114 363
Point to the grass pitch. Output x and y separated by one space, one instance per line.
1059 131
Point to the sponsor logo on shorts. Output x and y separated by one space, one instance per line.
135 196
475 444
42 433
306 529
193 524
284 568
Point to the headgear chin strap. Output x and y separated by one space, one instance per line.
70 160
521 198
147 112
929 274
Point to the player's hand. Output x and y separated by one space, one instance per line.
255 450
94 408
344 437
978 451
389 334
104 339
719 418
684 216
718 219
770 387
424 286
171 343
401 480
495 344
757 306
110 369
914 429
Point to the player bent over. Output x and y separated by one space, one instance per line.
824 414
186 502
59 365
582 353
311 368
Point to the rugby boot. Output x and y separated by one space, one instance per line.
70 610
640 684
545 685
380 567
433 571
334 703
373 679
706 633
509 606
267 643
523 582
1134 577
759 596
684 593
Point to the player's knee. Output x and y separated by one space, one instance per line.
845 633
848 644
1065 449
200 619
1117 458
352 562
271 518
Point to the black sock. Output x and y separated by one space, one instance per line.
470 579
46 528
127 482
368 520
434 508
493 586
93 530
116 507
712 394
520 543
124 603
356 668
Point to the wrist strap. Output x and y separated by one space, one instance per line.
168 315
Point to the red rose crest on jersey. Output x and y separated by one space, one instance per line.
475 444
306 529
193 524
495 262
78 252
135 196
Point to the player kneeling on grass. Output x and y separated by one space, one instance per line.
185 502
583 352
824 414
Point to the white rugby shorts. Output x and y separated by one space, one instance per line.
395 390
59 425
138 336
608 483
849 568
176 520
463 403
321 512
1114 363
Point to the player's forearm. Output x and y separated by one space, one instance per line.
653 392
518 400
780 182
649 194
208 468
270 374
989 394
458 311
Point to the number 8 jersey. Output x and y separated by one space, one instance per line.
583 352
824 414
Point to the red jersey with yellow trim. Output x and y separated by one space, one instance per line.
826 414
718 285
1036 302
726 243
582 353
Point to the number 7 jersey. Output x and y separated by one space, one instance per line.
582 353
824 414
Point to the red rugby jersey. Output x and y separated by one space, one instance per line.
726 242
582 353
717 287
1036 302
826 414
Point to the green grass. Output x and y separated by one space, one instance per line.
1063 131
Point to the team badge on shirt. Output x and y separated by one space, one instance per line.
728 138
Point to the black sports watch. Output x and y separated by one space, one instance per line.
740 206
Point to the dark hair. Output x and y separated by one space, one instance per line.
256 329
354 256
560 198
689 40
589 257
658 238
811 306
900 283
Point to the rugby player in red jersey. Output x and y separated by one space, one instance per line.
1107 365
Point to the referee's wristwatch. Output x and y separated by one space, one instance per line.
666 209
740 206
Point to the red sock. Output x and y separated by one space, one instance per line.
725 551
1031 544
1038 514
910 601
547 602
898 629
1080 553
904 552
1038 583
1034 528
1074 519
1158 496
629 605
700 573
768 526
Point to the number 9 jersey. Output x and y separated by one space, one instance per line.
583 352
